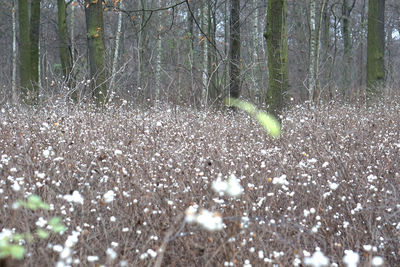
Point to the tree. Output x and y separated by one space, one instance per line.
277 45
95 32
65 48
212 64
347 44
24 50
234 64
29 50
34 44
14 53
375 47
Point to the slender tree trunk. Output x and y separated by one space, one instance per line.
375 47
14 54
212 64
95 31
226 41
318 52
65 50
362 66
234 90
255 49
116 49
24 52
190 48
313 44
205 47
347 44
326 45
72 27
158 55
277 46
34 36
141 47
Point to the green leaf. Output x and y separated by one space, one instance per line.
42 234
56 225
35 202
17 252
268 122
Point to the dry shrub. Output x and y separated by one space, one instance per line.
331 181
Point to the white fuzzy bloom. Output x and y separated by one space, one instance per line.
232 186
210 221
152 253
219 186
41 222
57 248
333 186
72 239
191 214
92 258
109 196
111 253
377 261
16 187
76 197
351 258
280 180
318 259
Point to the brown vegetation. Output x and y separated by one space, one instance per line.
341 165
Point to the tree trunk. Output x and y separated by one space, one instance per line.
14 54
234 64
65 51
158 55
72 27
375 47
116 49
313 44
95 30
255 50
212 64
24 52
347 44
141 48
277 46
34 36
205 47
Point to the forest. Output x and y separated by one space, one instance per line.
200 133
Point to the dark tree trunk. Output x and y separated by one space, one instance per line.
95 31
234 90
277 43
375 47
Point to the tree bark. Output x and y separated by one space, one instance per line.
313 44
25 65
34 45
65 49
14 54
95 31
375 47
277 46
116 49
212 64
158 55
347 44
205 47
234 64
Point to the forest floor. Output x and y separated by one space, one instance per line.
122 181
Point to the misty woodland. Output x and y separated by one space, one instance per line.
200 133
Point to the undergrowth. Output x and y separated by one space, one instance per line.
122 179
